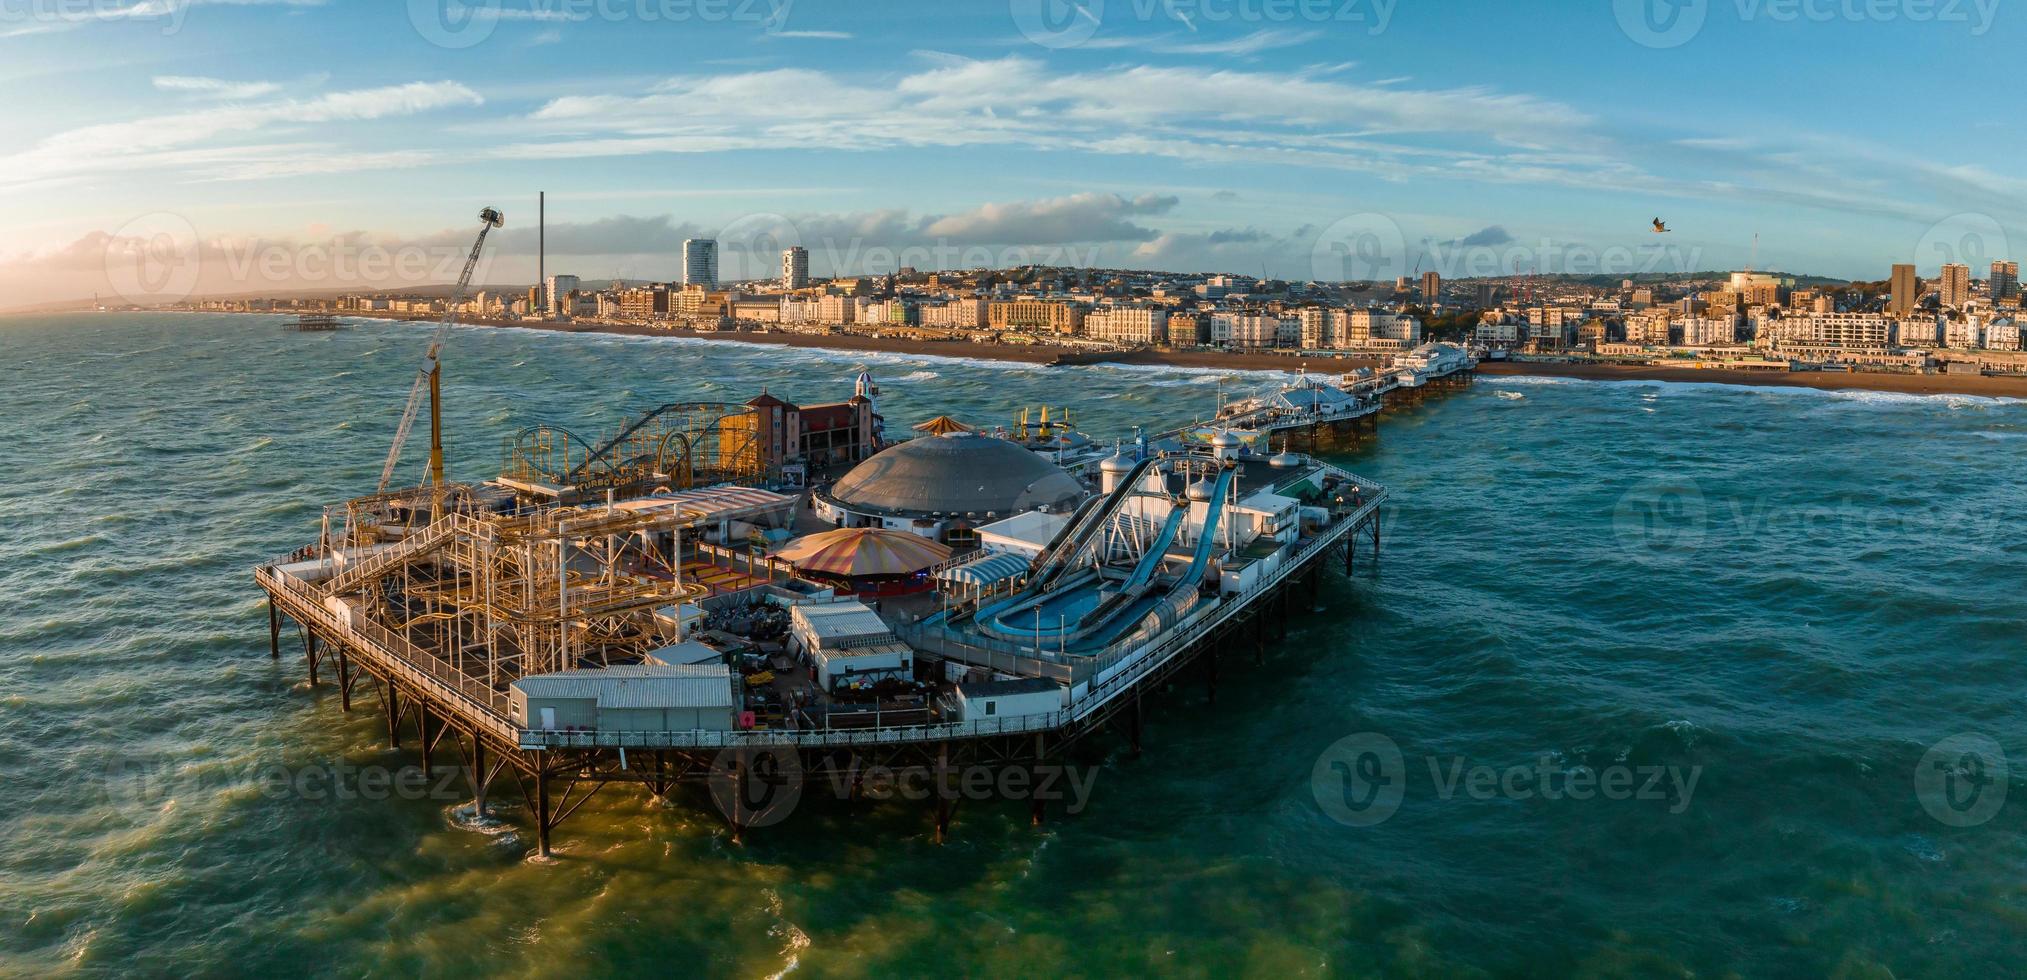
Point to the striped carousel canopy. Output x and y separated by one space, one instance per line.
943 425
863 551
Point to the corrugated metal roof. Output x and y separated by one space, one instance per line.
841 620
638 686
985 571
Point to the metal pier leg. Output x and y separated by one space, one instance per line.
739 787
1375 543
310 654
479 780
1037 808
344 680
542 825
393 715
422 731
274 630
1132 732
942 791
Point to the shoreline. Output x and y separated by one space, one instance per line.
1987 386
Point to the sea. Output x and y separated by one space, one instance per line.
1650 679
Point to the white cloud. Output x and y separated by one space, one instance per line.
176 141
216 88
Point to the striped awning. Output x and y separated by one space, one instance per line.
985 572
863 551
943 425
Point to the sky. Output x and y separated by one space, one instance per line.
158 148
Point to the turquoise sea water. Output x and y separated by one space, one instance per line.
1791 595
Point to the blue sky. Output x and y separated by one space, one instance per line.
1212 135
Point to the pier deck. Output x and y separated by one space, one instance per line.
460 706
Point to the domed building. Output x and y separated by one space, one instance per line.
941 486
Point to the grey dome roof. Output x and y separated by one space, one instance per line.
958 473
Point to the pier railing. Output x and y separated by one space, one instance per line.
393 653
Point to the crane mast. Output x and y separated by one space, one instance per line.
428 378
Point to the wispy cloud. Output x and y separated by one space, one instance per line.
216 88
200 139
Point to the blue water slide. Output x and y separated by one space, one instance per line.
1151 562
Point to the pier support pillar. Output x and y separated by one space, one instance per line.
393 716
1132 729
310 654
1037 808
344 680
740 787
479 779
1375 543
942 791
274 630
422 734
542 824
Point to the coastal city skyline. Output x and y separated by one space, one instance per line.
1019 488
1176 138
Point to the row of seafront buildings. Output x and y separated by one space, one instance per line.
1905 323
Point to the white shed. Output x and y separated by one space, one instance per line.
638 698
989 700
848 642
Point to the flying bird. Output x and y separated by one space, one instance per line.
1660 227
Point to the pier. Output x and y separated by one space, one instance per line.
484 600
596 617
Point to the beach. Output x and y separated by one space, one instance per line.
1990 386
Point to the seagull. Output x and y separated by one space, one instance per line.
1660 227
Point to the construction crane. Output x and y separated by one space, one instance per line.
430 377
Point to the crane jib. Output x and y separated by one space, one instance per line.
489 219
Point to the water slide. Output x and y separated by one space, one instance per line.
1078 609
1097 513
